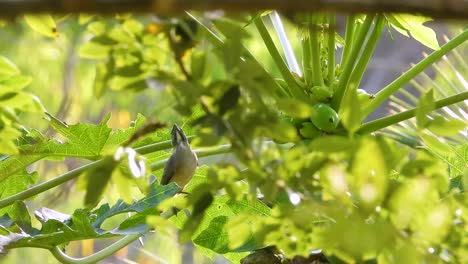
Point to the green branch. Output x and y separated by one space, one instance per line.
106 252
386 92
391 120
350 62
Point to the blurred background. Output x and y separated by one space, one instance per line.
64 82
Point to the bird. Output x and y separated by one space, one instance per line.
183 162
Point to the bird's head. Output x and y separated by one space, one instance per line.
178 136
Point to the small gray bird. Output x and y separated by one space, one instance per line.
183 162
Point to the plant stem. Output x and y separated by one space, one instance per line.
214 39
386 92
331 49
106 252
42 187
307 61
315 50
350 62
285 44
293 87
390 120
367 52
350 23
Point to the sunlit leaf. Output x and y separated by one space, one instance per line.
7 68
415 26
445 127
350 110
295 108
43 24
425 106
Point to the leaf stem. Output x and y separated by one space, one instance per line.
331 49
350 62
367 52
315 50
293 87
285 44
375 125
386 92
42 187
106 252
307 61
350 23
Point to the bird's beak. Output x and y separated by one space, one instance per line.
177 135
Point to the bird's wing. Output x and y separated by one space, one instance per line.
169 170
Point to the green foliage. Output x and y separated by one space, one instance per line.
43 24
302 174
408 24
13 100
60 229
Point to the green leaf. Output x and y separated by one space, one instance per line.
58 228
20 215
97 28
84 18
94 50
425 106
415 26
436 144
14 83
84 140
201 204
239 230
97 180
121 136
14 184
144 207
294 108
331 144
7 68
214 235
369 177
43 24
350 110
445 127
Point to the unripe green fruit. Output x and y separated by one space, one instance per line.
325 117
321 93
308 130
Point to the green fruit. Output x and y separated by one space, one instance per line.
325 117
321 93
308 130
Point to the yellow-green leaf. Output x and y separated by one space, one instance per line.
295 108
7 68
415 26
425 106
43 24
